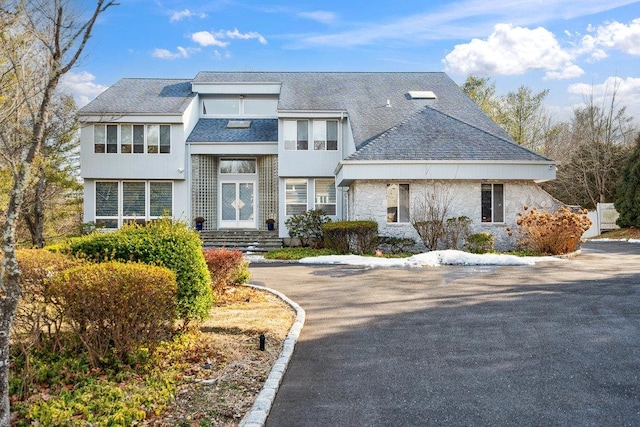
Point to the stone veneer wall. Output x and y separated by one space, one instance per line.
367 200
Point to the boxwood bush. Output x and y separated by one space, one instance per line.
162 242
116 307
358 237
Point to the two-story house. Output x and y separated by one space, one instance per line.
238 148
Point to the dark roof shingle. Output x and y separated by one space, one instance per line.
215 130
142 96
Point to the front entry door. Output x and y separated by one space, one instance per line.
237 205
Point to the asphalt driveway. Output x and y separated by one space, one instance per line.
553 344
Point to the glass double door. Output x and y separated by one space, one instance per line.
237 204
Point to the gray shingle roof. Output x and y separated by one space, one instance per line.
364 97
215 130
432 135
450 127
142 96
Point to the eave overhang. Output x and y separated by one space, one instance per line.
349 171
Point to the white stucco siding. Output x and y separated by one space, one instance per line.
367 200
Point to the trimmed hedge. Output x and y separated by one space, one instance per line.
115 307
359 237
163 242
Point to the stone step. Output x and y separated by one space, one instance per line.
242 240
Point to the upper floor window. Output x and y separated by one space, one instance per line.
250 106
126 139
296 135
492 202
397 202
325 135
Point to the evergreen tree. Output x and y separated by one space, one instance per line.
627 201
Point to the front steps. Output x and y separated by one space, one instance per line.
241 240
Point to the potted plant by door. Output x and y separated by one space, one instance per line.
270 224
199 222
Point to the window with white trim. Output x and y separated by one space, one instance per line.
325 135
129 138
240 105
238 166
119 202
295 196
325 195
296 135
397 203
492 196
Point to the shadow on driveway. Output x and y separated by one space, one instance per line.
555 344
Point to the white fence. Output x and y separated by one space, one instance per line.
602 219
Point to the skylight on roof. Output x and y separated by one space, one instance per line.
422 94
239 124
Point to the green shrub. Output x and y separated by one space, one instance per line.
351 236
36 325
226 268
307 227
552 233
293 254
162 242
34 317
480 243
115 308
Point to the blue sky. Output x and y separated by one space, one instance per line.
573 48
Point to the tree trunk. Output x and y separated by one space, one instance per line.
34 218
7 309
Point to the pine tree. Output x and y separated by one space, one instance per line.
627 201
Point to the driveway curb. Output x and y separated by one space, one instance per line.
257 415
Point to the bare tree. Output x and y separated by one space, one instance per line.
430 212
40 41
599 136
55 177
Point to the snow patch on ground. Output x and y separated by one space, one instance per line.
427 259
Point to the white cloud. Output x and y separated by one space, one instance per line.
613 35
81 86
205 38
182 52
511 50
320 16
179 16
623 87
627 92
460 19
235 34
